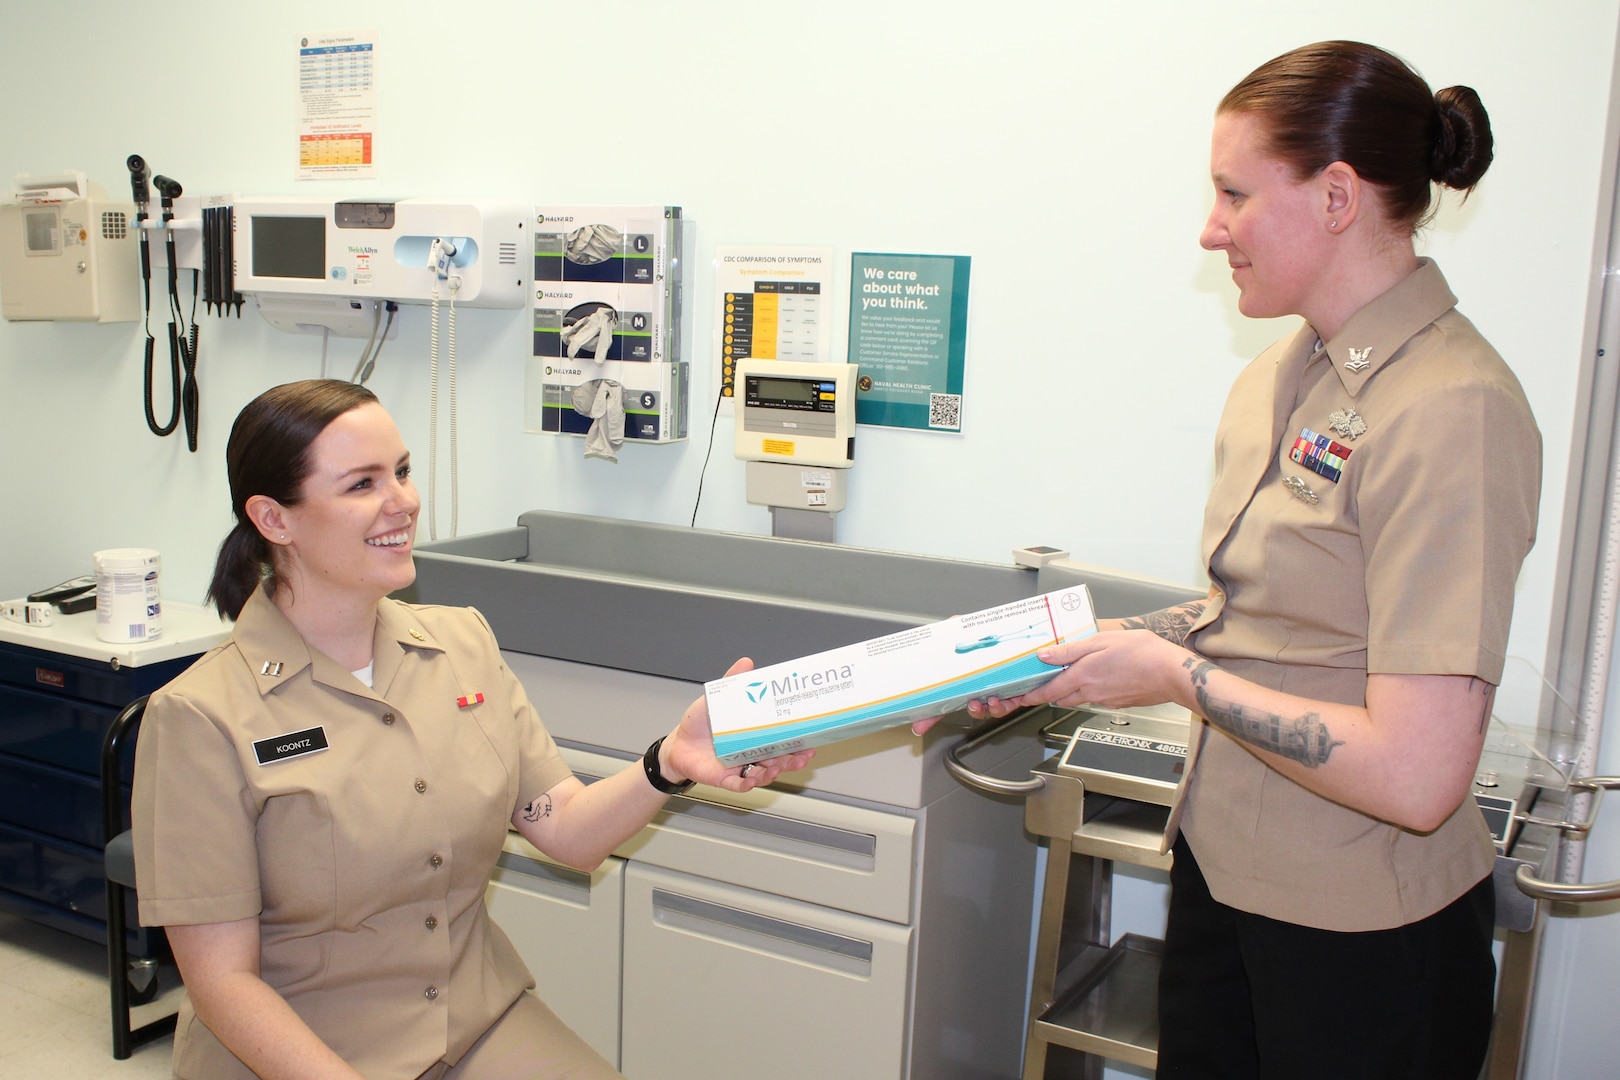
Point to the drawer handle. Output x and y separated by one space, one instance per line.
750 929
700 813
828 844
563 877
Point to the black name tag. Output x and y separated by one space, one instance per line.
294 744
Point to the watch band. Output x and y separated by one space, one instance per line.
655 775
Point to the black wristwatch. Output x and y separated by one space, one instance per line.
655 775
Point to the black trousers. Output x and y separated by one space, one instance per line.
1241 995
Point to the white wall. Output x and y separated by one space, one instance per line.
1062 145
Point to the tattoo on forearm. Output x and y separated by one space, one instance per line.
538 809
1304 739
1173 624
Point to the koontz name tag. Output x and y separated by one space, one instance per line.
293 744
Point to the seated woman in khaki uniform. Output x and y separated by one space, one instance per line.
1376 489
320 801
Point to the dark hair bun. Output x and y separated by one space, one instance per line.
1462 146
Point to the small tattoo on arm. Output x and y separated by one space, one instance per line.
538 809
1173 624
1304 739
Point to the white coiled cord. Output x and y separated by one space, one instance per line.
433 417
455 497
433 414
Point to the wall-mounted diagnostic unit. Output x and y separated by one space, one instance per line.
68 253
374 249
795 430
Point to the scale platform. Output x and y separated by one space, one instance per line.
1138 754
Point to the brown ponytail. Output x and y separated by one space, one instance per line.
268 454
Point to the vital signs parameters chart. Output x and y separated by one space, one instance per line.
337 105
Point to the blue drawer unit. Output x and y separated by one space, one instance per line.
55 708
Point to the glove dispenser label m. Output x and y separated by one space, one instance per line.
607 326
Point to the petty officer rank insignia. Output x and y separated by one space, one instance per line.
291 745
1320 454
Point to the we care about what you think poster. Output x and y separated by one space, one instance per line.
908 333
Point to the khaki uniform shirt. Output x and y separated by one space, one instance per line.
1397 552
365 862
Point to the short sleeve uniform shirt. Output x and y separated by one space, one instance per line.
1374 498
359 825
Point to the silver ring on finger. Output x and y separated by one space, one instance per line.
748 768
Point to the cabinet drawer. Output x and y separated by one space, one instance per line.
51 801
57 730
848 857
567 927
91 680
60 875
722 983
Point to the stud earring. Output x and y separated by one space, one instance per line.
284 536
1333 224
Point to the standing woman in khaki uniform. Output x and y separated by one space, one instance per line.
320 801
1377 479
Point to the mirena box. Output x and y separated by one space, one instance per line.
905 676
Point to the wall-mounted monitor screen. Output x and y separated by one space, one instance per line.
289 247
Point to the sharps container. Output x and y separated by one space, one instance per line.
127 604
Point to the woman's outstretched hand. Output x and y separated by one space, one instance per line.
688 752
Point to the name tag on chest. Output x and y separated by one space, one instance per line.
291 745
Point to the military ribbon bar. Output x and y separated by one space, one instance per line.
1320 454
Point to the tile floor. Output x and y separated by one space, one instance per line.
54 1010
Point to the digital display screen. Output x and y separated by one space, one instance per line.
788 390
289 247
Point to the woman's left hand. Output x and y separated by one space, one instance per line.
1115 669
688 752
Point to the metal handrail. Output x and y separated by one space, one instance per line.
993 785
1577 892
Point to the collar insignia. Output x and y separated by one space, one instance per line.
1358 359
271 667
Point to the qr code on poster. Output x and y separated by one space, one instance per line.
945 411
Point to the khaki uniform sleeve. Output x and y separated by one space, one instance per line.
194 819
1449 510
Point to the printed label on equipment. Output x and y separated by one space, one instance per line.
1131 742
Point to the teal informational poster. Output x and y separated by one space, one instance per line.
908 333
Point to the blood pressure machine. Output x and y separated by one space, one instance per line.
305 258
